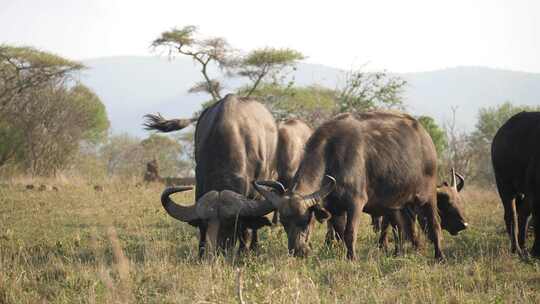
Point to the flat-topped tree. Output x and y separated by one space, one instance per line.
267 62
26 68
205 51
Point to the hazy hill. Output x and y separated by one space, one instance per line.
133 86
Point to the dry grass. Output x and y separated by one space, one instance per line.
118 246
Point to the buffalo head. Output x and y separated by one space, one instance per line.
450 204
297 212
220 214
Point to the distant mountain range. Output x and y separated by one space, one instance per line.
133 86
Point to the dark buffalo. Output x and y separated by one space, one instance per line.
382 163
293 135
235 143
448 198
515 153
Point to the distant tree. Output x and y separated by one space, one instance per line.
312 104
54 123
437 133
459 152
363 91
187 153
205 51
44 113
24 68
166 151
259 66
123 155
264 63
126 155
11 143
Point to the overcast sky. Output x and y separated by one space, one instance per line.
398 35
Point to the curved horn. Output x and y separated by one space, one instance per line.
268 195
272 184
182 213
316 197
453 178
240 205
461 182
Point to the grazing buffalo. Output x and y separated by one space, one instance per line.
235 143
448 198
378 162
515 153
292 138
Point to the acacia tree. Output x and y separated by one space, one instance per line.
260 64
363 91
204 51
257 65
55 123
44 114
23 69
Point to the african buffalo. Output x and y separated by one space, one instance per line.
515 153
235 143
292 137
378 162
448 198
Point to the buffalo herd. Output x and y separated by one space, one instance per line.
382 163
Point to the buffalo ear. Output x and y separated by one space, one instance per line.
320 213
256 222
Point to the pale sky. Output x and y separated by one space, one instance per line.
397 35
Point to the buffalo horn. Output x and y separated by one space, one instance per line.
240 205
453 178
268 195
274 185
461 182
317 196
179 212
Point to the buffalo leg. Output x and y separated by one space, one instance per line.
336 228
510 218
246 237
535 204
429 210
254 240
524 211
376 223
535 251
351 231
403 227
202 240
383 237
412 230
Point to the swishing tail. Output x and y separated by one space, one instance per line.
158 122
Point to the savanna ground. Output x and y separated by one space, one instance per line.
118 246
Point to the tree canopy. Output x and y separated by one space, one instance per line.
25 68
45 115
437 133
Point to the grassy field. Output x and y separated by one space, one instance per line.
118 246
